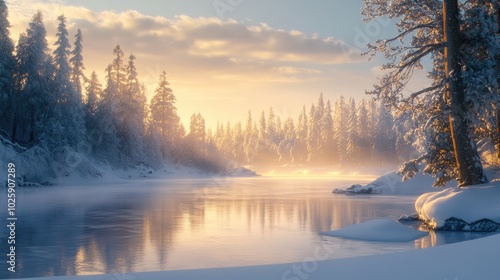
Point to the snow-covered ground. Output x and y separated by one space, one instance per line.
382 230
34 167
392 184
474 260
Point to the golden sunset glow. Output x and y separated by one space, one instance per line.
220 68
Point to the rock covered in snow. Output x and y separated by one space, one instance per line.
483 225
355 189
243 172
473 208
409 218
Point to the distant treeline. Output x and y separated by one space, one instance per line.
347 135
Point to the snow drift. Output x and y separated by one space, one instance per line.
383 230
466 208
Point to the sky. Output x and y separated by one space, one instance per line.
226 57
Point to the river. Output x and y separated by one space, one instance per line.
171 224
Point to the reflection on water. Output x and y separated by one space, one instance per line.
186 224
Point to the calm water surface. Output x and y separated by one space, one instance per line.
195 223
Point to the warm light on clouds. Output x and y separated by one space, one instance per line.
206 56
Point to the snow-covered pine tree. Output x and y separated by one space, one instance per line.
7 68
91 106
121 77
271 126
385 137
316 115
261 147
326 143
227 143
405 150
352 148
372 117
421 35
197 129
237 141
194 145
130 114
115 85
288 143
313 133
340 129
119 70
94 92
249 139
300 151
273 134
67 127
106 144
363 129
164 120
278 130
77 75
263 127
34 73
61 54
209 138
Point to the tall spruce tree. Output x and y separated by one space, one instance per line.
300 152
94 94
118 69
249 140
77 76
352 146
34 73
385 137
340 129
7 68
326 143
91 109
130 111
67 128
288 143
312 134
164 120
363 129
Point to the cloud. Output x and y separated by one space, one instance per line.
203 56
297 70
204 42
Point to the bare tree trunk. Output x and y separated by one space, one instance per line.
470 170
